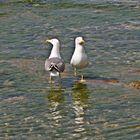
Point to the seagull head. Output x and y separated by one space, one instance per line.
79 40
54 41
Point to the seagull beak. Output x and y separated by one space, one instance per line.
48 40
82 41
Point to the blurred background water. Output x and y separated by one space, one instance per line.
105 107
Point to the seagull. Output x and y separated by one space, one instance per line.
54 64
79 58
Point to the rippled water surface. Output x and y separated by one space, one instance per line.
105 107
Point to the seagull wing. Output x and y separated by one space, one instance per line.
54 63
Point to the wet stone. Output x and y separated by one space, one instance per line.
135 84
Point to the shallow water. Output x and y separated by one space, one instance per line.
103 108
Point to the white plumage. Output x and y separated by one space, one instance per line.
79 58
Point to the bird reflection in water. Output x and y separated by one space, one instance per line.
55 96
55 99
80 97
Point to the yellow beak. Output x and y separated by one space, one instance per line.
48 40
82 41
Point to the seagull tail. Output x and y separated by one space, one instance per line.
53 67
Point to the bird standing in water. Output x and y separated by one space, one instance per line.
79 58
54 64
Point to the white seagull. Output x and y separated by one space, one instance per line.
79 58
54 64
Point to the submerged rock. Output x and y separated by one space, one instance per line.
111 81
135 84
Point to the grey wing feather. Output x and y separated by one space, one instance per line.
55 61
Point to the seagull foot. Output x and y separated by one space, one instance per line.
82 81
51 82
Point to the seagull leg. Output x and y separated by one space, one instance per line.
60 79
75 72
82 79
50 79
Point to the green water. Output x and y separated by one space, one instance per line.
103 108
